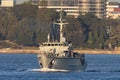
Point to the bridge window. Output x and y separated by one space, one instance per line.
56 44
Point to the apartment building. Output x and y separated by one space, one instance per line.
78 7
113 10
6 3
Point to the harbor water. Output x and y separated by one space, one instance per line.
25 67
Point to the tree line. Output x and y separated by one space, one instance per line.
88 31
28 25
25 24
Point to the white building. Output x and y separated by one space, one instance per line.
113 10
6 3
77 7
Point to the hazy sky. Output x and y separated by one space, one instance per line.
20 1
115 0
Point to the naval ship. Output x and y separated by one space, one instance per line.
59 54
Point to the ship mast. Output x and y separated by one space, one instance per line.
61 23
61 26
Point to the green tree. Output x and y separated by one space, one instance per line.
90 38
114 33
74 32
7 22
24 32
44 20
43 3
94 30
25 10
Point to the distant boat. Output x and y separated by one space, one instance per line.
59 54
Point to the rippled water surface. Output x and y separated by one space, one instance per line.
25 67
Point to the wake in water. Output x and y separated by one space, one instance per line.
48 70
58 70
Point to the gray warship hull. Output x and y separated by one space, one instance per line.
61 63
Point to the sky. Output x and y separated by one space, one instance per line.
21 1
114 0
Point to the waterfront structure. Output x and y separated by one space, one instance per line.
78 7
113 10
6 3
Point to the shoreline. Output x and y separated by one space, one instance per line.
19 51
89 51
37 51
